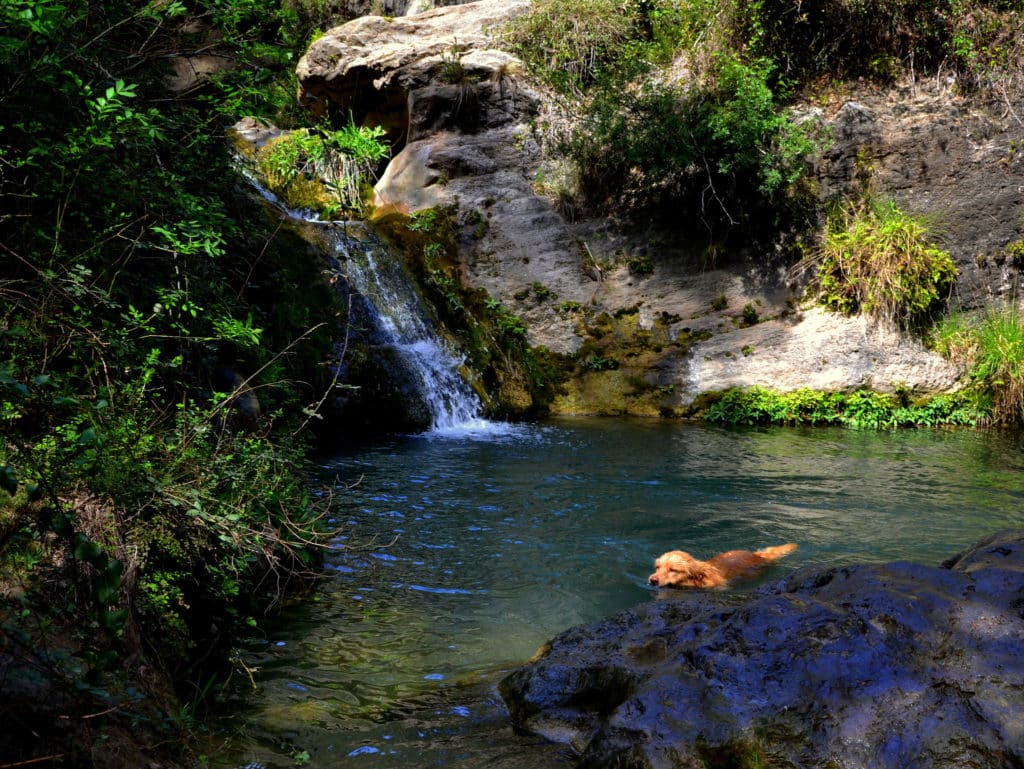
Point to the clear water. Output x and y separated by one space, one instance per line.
464 550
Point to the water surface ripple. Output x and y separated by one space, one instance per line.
463 551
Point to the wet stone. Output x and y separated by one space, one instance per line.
896 665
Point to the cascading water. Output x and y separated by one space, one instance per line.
376 274
403 323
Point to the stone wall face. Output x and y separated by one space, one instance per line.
475 144
954 161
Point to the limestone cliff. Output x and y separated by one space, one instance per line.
650 321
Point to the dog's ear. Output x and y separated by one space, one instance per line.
700 575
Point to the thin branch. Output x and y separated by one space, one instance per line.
334 380
40 759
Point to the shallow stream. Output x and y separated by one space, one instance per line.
464 551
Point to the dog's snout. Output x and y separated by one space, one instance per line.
653 580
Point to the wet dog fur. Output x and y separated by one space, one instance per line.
679 569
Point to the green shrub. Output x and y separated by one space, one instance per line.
574 45
141 505
861 409
719 141
750 315
984 41
640 265
844 38
597 362
507 323
323 168
877 260
721 149
992 347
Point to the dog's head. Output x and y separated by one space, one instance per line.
678 569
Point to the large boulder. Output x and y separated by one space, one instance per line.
373 65
885 666
458 109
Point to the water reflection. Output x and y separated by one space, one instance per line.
465 553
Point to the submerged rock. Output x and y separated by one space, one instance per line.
897 665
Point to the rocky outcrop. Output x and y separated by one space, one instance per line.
818 350
466 121
372 66
897 665
954 160
458 109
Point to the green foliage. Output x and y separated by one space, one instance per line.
573 45
720 141
999 362
424 221
303 165
720 147
876 38
539 291
145 492
987 45
452 69
640 265
750 314
861 409
507 322
877 259
992 347
597 362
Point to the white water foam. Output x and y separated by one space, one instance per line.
378 275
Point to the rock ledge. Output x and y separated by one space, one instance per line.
896 665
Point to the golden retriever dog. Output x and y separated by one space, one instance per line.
679 569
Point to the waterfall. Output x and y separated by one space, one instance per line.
403 322
374 272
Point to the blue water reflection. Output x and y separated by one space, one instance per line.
463 553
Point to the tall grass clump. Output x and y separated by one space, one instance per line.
992 348
878 260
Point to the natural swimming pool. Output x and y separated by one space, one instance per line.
462 552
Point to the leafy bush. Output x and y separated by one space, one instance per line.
877 259
988 47
719 142
146 494
992 347
840 37
304 165
721 148
875 38
572 46
861 409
